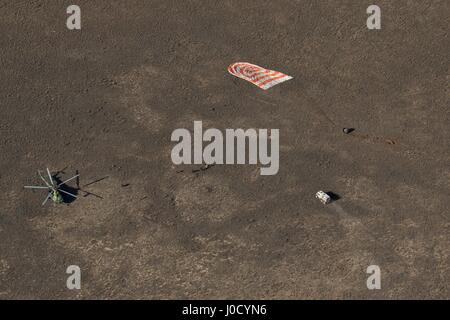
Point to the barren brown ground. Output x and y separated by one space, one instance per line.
104 101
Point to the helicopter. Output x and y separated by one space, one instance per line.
54 188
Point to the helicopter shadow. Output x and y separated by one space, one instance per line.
64 187
76 191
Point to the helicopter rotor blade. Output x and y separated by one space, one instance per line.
50 177
35 187
67 193
78 180
87 193
98 180
64 182
45 181
46 199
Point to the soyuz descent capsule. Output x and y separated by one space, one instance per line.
323 197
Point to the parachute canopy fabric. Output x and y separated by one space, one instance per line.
257 75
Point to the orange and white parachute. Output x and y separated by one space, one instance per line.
263 78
